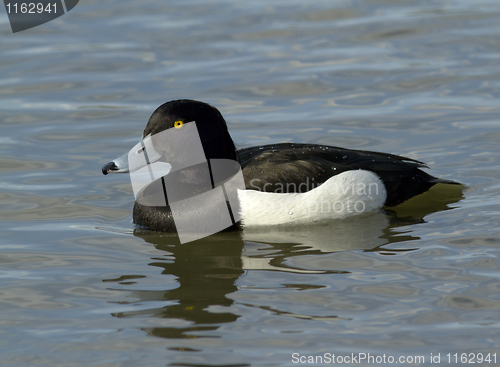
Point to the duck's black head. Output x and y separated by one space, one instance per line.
170 149
212 128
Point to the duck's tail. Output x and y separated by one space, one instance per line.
441 180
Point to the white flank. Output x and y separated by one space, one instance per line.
346 194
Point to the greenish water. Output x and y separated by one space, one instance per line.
80 286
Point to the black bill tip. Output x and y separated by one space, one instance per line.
109 167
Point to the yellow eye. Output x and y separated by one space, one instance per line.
178 124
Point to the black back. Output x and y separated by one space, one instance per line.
301 167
